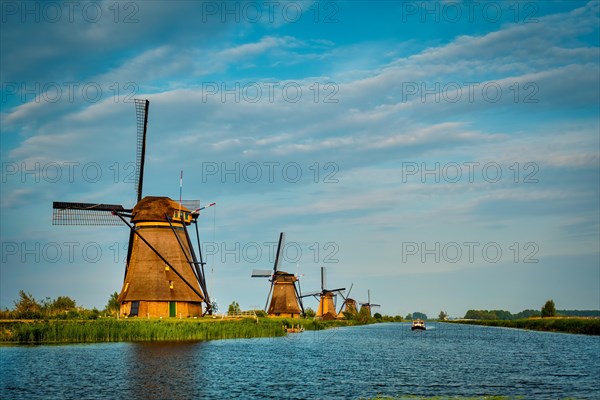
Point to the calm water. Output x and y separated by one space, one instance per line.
352 362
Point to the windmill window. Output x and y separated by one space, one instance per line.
171 284
126 286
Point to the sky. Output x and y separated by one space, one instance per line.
443 155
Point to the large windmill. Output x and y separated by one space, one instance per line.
285 296
349 305
368 305
163 276
326 310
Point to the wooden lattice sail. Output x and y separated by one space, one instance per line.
152 288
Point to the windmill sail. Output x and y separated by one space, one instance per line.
66 213
141 112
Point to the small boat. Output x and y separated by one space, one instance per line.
293 329
418 324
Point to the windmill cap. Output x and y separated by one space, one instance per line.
153 208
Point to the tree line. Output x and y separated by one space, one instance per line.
547 310
62 307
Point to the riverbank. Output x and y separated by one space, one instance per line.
586 326
133 330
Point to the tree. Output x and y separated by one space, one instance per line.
549 310
408 317
419 315
63 303
377 316
113 306
309 313
234 308
27 306
443 316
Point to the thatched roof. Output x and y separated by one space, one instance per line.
152 208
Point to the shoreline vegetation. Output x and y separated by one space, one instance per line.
134 330
577 325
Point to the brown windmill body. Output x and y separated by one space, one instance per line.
284 299
326 310
349 306
152 288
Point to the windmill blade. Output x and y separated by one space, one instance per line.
278 255
323 278
196 211
375 305
261 273
66 213
349 291
269 295
141 113
311 294
345 297
336 290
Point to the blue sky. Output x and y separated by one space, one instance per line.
444 155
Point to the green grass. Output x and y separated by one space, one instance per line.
133 330
111 330
587 326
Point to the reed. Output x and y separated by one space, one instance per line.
112 330
134 330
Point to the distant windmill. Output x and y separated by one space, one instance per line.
349 305
284 294
163 276
368 305
326 308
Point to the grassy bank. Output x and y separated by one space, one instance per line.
587 326
112 330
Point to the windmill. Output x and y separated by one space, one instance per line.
326 308
163 277
349 305
284 294
368 305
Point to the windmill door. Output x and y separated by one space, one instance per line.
172 309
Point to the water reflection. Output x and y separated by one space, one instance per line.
165 370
